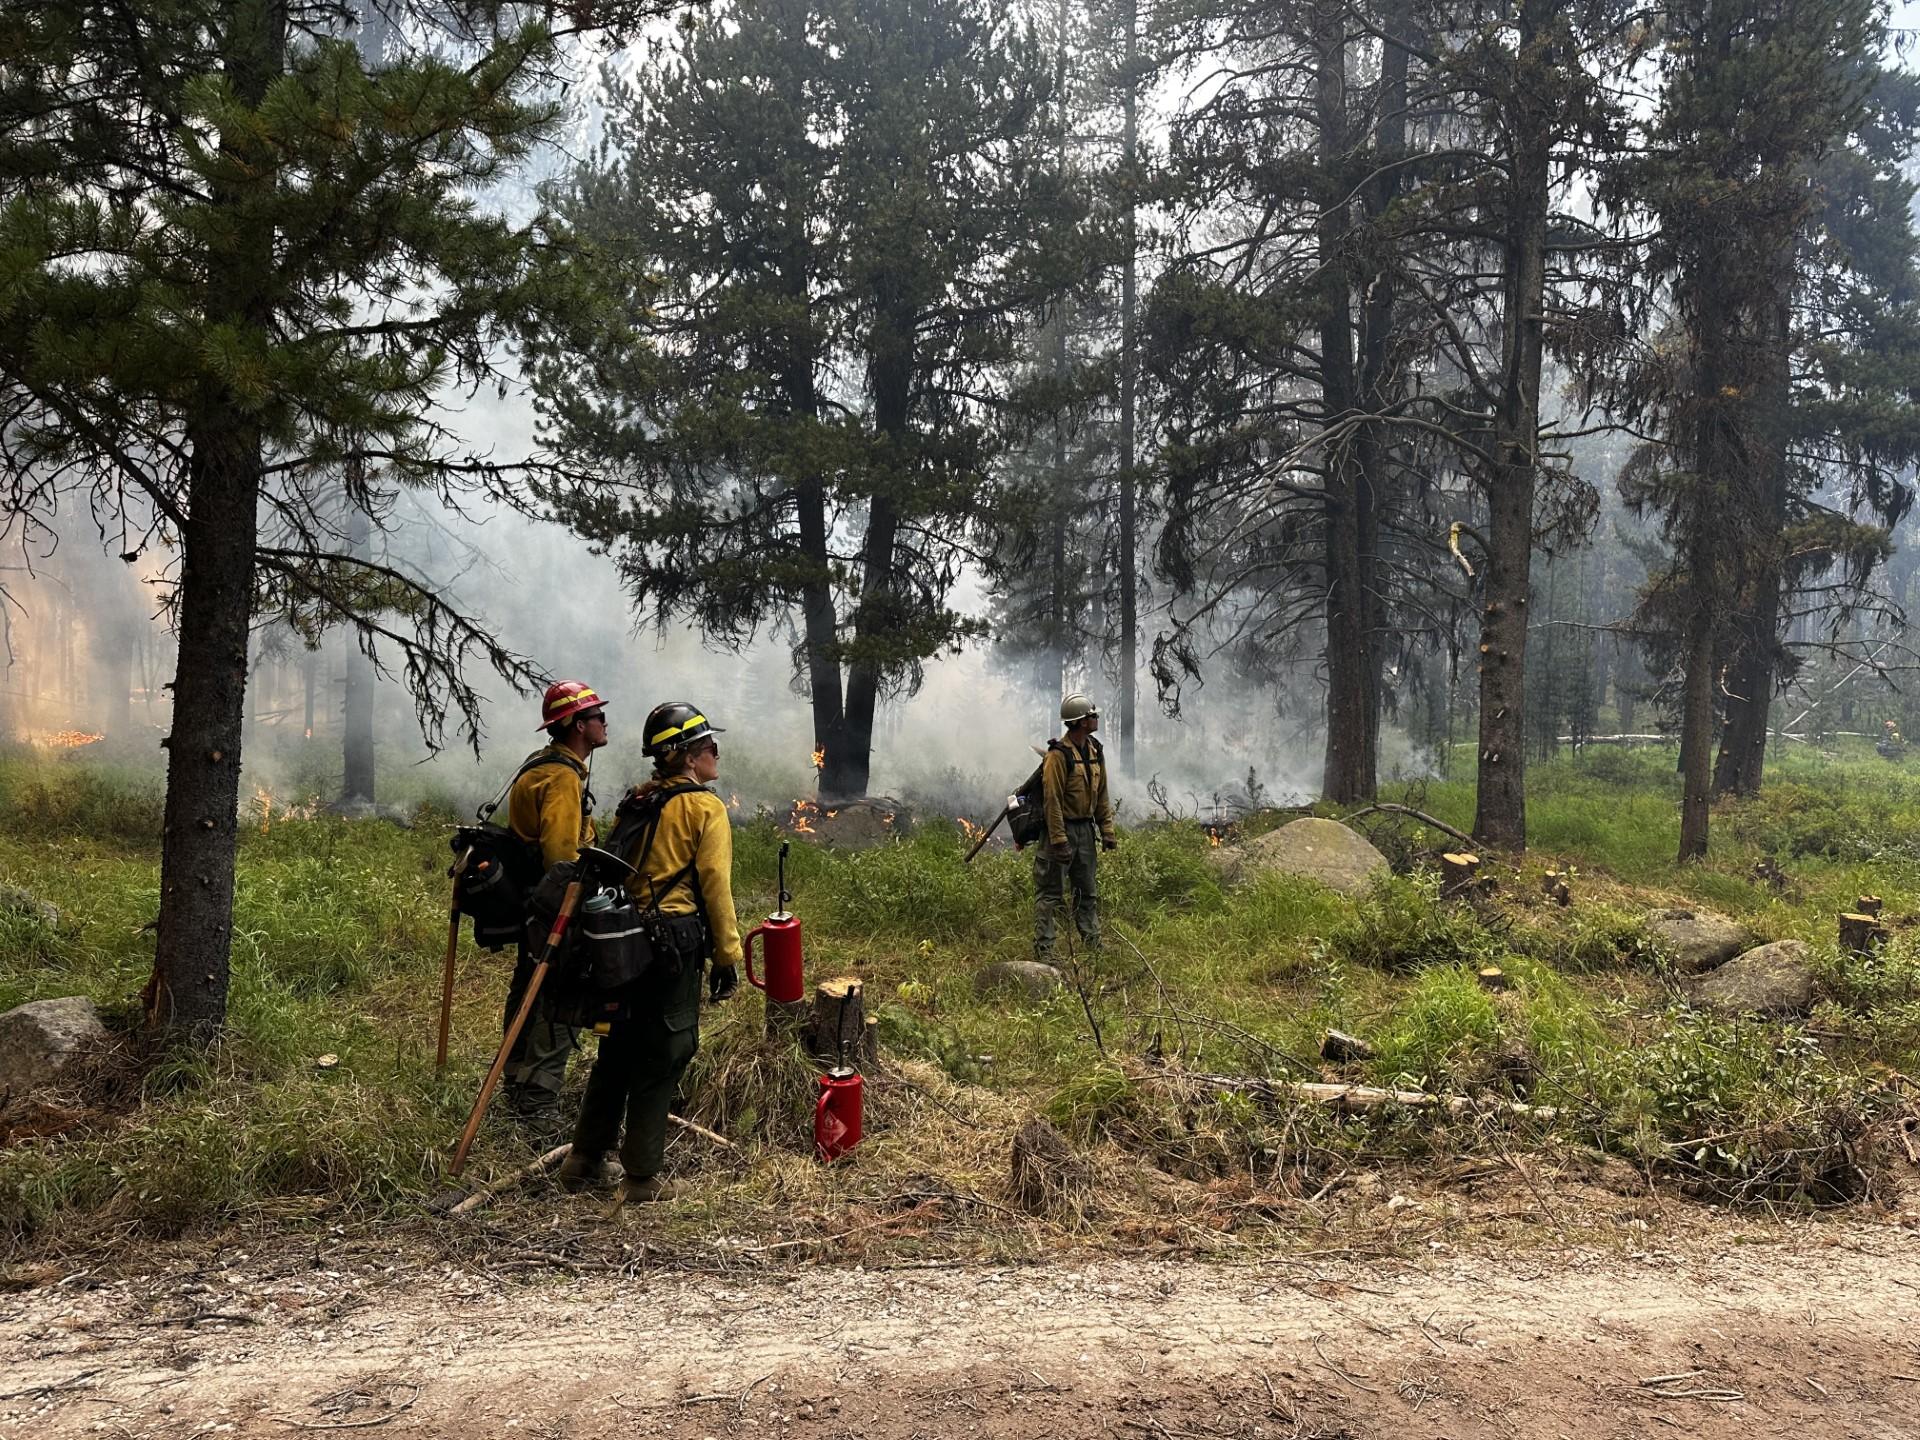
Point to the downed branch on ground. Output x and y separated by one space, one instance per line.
1347 1097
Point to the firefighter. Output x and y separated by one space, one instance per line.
1079 825
550 808
683 861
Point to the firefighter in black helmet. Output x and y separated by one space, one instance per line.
684 869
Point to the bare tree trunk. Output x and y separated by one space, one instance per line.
890 369
1348 775
356 710
188 992
1129 396
1500 812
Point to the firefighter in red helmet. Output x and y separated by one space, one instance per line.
550 808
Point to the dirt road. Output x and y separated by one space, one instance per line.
1816 1332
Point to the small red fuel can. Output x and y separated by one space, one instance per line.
779 936
837 1113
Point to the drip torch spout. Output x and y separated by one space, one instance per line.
785 894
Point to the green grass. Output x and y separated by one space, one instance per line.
339 927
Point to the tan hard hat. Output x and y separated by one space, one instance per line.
1076 707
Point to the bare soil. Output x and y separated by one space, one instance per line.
1813 1329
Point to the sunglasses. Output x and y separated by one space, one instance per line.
706 747
599 715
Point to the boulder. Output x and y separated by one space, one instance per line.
1695 940
14 901
40 1039
1774 979
1324 851
1028 977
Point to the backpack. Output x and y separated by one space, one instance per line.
497 869
617 948
1027 806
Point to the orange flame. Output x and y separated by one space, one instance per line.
801 821
65 739
967 828
819 758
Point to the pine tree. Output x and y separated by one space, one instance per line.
230 262
1787 334
823 226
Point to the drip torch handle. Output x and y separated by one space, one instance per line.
746 952
785 895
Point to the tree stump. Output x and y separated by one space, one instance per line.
1340 1047
1457 870
1869 905
1556 887
1046 1177
1491 977
837 1026
1860 933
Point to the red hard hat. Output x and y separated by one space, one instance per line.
565 699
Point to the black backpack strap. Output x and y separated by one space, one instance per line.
638 821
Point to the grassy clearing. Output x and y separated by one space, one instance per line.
340 925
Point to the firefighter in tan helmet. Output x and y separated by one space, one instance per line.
1079 826
549 807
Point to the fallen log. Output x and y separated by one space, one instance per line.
1353 1097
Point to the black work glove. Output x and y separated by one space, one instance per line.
1107 842
722 981
1062 852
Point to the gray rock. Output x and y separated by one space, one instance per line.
1774 979
15 901
40 1039
1695 940
1029 977
1320 850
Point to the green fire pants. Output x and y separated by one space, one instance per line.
1051 878
638 1073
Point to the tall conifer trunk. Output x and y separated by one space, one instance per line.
356 709
1349 770
1500 812
188 992
1129 398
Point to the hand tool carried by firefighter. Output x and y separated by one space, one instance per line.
592 870
446 970
1026 808
987 834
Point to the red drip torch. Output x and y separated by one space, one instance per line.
837 1113
780 948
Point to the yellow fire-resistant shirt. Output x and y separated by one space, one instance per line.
693 826
1075 779
546 808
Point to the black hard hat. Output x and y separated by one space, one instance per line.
674 726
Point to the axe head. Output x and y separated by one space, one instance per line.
603 865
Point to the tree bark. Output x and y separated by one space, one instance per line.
187 996
800 384
1750 684
1129 398
890 368
356 711
1500 811
1348 775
